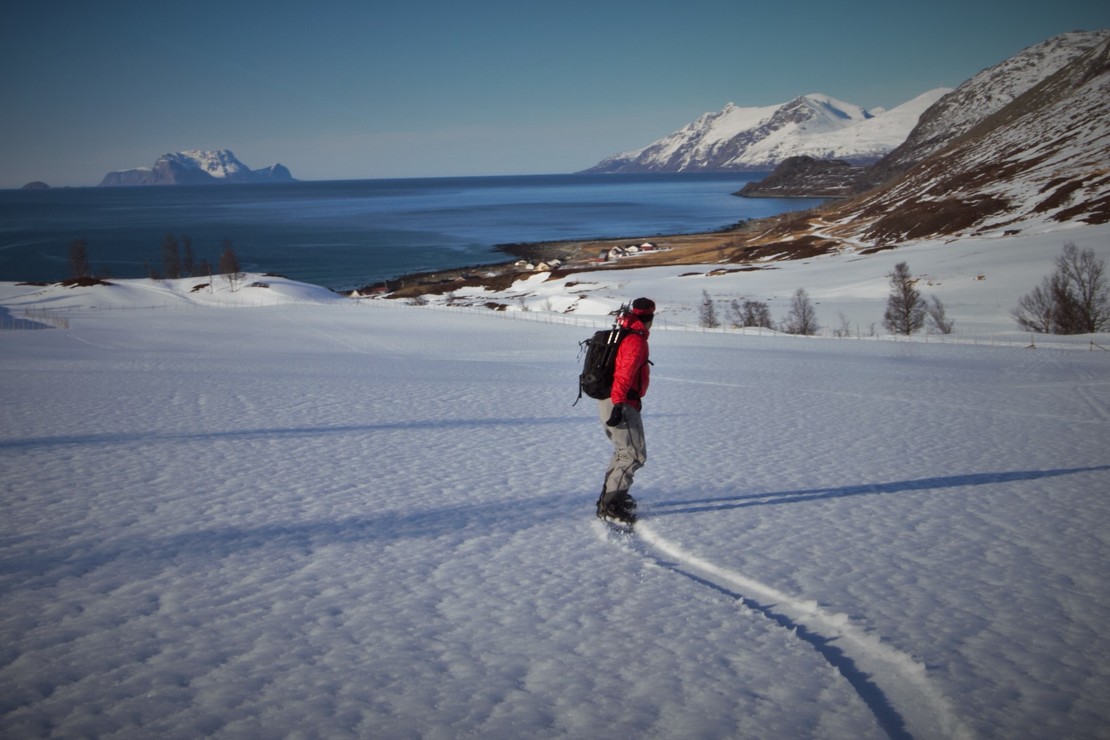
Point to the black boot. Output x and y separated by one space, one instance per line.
617 505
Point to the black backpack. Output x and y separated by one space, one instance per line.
596 378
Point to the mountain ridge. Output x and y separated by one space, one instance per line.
982 95
759 138
1042 157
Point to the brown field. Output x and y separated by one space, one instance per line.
784 237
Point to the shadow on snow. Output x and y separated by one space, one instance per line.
46 562
156 437
774 498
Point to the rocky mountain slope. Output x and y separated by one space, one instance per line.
806 177
760 138
980 97
196 167
1042 157
950 117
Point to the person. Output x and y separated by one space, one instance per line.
620 413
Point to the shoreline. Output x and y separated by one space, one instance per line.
786 236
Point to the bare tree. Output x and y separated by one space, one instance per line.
905 308
171 257
1036 310
229 266
1083 294
734 314
938 317
802 317
1073 300
707 314
79 258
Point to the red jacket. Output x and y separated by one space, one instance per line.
632 373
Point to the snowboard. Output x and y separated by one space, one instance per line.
619 525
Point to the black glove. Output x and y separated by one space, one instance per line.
617 416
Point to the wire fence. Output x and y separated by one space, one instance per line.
1005 339
35 319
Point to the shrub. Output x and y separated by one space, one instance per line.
751 313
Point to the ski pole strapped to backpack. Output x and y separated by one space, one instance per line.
596 378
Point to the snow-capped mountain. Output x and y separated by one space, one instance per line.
1039 158
813 125
197 167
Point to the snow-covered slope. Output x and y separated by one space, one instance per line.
294 515
197 167
983 95
759 138
1042 157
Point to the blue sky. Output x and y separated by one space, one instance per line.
347 90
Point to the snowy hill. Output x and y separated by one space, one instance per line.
277 512
759 138
983 95
1040 158
196 167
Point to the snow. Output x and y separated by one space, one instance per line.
815 125
839 129
731 121
994 88
219 163
280 512
874 136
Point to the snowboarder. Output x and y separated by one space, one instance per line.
620 414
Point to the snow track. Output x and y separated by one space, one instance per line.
892 684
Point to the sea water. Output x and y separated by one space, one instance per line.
345 234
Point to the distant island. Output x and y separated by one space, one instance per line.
197 167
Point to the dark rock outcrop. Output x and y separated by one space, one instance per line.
806 177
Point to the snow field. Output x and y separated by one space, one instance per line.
915 419
212 538
316 518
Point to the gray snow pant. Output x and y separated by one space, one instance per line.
629 448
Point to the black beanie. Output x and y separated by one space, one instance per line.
643 309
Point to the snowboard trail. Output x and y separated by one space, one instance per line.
892 684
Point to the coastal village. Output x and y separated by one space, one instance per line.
550 257
612 254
